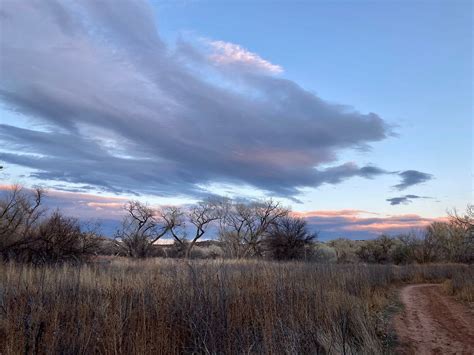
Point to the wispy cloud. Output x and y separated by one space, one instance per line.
405 199
412 177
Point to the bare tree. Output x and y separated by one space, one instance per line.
20 212
244 226
141 228
466 220
174 218
28 235
201 215
463 225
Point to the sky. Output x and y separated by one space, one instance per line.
356 114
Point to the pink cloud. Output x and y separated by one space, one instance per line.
230 53
359 223
332 213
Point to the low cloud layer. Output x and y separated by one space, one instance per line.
114 107
356 224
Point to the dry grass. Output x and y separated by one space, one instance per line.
461 285
171 306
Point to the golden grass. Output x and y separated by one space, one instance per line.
163 306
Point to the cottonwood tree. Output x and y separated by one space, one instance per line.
141 227
289 238
20 212
244 226
201 216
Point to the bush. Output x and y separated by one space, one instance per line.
376 251
288 238
58 239
28 234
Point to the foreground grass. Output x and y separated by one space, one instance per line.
169 306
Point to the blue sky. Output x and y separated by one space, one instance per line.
189 74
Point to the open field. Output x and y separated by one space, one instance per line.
176 306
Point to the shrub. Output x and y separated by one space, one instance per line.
288 238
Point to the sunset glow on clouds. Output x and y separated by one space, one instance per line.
357 223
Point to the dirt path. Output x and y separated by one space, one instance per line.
433 323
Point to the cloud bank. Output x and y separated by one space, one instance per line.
114 107
357 224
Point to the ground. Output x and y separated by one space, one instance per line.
433 323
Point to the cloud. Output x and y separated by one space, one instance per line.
332 213
112 106
226 53
412 177
357 224
405 199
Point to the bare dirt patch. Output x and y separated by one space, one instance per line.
433 323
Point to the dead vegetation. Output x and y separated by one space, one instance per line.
170 306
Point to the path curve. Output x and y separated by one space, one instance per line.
433 323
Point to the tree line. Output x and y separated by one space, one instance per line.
244 229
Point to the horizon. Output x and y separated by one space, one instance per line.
328 108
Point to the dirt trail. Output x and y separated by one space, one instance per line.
433 323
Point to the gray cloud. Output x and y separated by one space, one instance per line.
114 107
404 199
412 177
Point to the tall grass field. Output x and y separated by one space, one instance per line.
165 306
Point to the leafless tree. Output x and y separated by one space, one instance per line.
20 212
201 216
27 234
465 220
175 219
245 225
141 228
